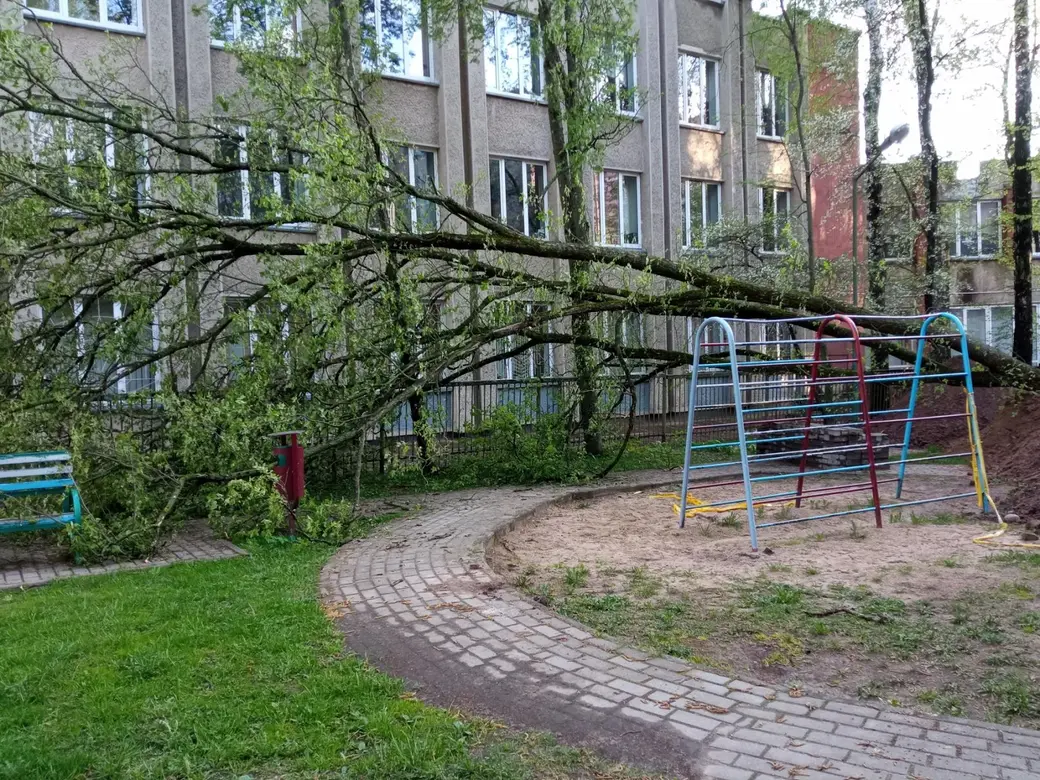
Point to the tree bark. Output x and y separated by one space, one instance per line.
800 109
569 179
1021 188
876 272
937 281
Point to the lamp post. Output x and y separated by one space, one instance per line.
895 136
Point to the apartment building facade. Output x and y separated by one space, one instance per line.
706 141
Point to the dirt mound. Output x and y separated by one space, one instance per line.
1010 425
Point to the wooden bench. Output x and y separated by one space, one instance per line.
26 474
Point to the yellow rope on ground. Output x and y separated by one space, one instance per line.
978 469
694 506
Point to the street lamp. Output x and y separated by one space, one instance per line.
896 135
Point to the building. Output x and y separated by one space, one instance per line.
707 143
976 233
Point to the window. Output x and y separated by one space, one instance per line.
701 209
995 326
117 14
396 38
772 105
255 191
264 319
512 60
249 21
419 168
698 91
97 320
71 159
974 229
776 215
536 362
619 87
616 209
518 195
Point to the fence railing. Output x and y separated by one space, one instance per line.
458 414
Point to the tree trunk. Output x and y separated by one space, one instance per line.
800 110
937 282
569 179
1021 188
876 272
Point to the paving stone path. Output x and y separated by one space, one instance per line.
419 600
29 565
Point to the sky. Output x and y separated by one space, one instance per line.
967 116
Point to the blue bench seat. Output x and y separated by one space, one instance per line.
25 474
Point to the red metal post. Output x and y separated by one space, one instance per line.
288 467
861 380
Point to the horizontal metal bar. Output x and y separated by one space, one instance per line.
853 487
867 509
804 362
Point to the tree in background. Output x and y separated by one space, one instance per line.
1022 185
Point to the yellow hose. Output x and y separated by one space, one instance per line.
978 471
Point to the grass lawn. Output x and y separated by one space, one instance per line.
225 670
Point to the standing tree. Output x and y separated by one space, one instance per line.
875 174
920 28
1022 186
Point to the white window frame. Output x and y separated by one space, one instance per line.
36 145
601 194
762 210
771 86
961 313
377 22
412 201
509 372
684 78
501 163
977 205
103 23
117 315
494 89
236 25
253 336
243 178
687 216
632 88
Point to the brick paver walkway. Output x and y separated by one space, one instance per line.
27 565
420 601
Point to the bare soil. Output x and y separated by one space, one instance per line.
629 545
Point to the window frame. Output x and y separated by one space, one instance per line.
37 145
683 74
958 236
252 335
117 315
245 184
495 90
632 89
377 25
961 313
62 16
236 24
503 217
413 205
601 192
505 367
687 216
763 73
787 191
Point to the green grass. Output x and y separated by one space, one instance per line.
788 626
221 670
